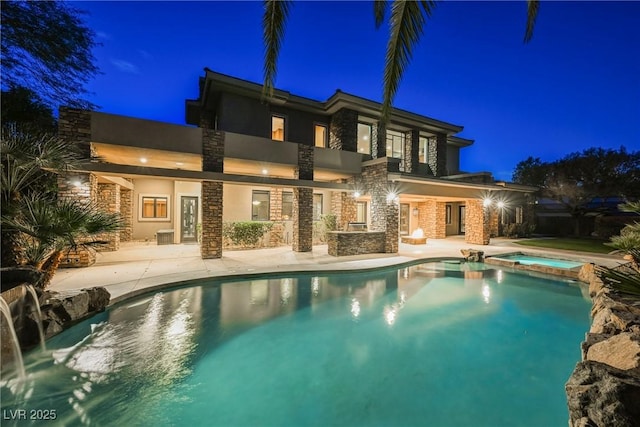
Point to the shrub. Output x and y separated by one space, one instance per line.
524 229
245 233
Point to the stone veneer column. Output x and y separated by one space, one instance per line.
109 200
343 130
477 228
302 219
126 214
82 187
384 214
411 151
494 221
435 217
303 202
211 244
439 162
212 161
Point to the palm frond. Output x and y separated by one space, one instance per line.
379 10
273 26
627 281
532 14
406 25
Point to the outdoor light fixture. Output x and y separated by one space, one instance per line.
143 160
501 204
76 183
255 202
264 171
486 202
356 194
416 211
392 196
179 164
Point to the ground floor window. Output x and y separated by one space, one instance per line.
317 207
154 207
519 215
260 205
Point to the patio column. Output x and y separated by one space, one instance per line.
303 202
109 200
477 226
343 130
435 214
126 214
211 242
384 203
212 161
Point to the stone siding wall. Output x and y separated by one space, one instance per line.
379 149
392 232
476 223
343 206
211 244
438 155
302 219
432 219
355 243
343 130
82 187
411 154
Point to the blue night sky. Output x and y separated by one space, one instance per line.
575 85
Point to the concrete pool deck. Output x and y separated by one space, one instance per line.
140 266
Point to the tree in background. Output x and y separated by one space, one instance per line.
578 178
46 49
23 108
406 23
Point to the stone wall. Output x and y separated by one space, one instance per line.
275 204
305 162
212 149
211 244
355 243
411 152
604 388
438 154
477 230
379 148
343 130
384 211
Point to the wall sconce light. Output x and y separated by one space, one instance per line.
356 194
416 211
486 202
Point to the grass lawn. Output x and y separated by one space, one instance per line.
570 244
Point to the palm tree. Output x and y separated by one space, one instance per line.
407 19
37 227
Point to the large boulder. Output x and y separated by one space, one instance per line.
472 255
621 351
602 396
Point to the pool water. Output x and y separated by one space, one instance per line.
549 262
428 345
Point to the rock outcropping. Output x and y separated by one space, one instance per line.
604 389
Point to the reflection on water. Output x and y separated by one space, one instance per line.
147 350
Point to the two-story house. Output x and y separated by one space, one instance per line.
287 159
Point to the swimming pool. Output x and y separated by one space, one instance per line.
433 344
532 260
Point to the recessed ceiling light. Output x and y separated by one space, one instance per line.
366 137
143 160
179 164
264 171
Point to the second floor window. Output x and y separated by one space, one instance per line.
364 138
423 150
277 128
395 144
320 135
